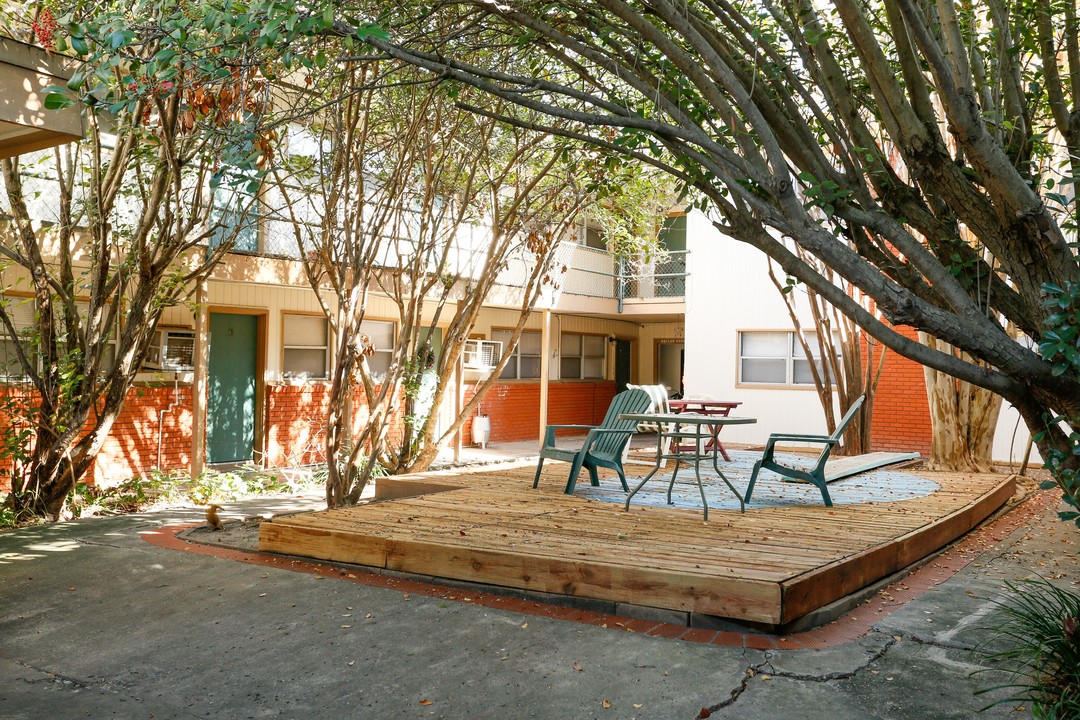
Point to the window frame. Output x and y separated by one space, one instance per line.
389 352
286 346
582 357
516 354
795 354
5 378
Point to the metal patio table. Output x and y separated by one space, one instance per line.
693 439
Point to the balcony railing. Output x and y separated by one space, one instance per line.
598 273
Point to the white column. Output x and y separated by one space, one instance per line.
201 381
545 363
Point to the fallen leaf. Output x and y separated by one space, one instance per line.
704 713
637 706
369 615
425 701
578 667
346 626
524 625
351 663
606 705
71 589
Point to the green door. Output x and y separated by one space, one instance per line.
230 412
622 364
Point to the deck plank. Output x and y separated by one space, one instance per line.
770 565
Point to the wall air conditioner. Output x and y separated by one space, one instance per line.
482 354
171 350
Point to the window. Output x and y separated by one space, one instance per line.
306 342
380 335
171 349
776 358
524 362
581 357
21 311
23 315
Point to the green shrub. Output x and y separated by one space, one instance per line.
1037 638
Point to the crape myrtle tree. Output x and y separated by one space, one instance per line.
845 360
925 153
433 207
174 98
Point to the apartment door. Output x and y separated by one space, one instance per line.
669 366
231 406
622 364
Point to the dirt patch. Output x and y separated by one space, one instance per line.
240 534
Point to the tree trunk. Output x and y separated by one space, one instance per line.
963 418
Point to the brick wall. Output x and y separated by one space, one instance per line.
901 411
296 422
132 447
514 408
296 418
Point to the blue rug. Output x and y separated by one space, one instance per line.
770 491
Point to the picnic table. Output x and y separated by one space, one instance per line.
699 430
719 408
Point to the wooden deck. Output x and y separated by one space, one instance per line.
770 565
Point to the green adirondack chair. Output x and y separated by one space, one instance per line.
815 475
603 446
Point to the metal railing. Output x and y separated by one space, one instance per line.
598 273
578 269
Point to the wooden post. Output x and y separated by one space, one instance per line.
459 397
545 364
200 382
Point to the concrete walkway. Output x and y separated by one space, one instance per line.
96 622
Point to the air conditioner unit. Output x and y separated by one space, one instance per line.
171 350
482 354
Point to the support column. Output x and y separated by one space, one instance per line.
459 403
200 382
545 372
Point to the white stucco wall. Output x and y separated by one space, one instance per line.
729 290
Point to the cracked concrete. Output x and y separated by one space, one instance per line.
98 623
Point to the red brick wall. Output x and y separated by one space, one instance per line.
132 447
297 419
514 408
901 419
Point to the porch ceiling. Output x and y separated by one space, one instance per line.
25 124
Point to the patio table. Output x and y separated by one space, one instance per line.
720 408
679 428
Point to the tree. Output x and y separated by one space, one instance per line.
963 418
399 177
176 99
924 153
837 347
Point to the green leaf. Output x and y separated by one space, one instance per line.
1047 485
368 31
117 40
56 101
1069 515
79 45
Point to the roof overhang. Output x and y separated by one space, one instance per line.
25 124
